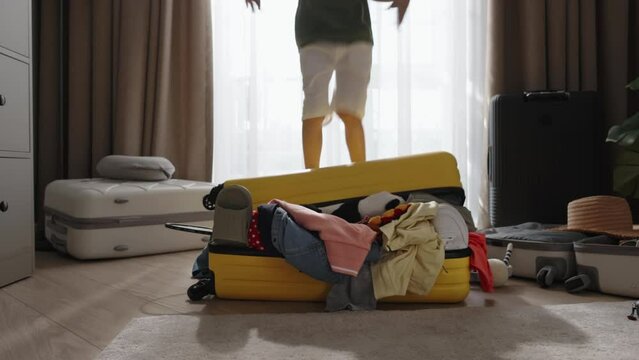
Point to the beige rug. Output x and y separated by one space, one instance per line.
579 331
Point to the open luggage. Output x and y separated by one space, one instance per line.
539 252
244 273
609 265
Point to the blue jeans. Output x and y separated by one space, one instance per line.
305 251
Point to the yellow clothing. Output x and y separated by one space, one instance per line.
415 253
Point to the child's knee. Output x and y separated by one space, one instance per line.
313 126
313 122
350 120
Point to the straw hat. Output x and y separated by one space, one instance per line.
609 215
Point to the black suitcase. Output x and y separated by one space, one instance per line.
544 151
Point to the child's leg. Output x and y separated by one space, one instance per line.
352 75
355 139
312 141
317 62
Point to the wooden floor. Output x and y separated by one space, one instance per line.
72 309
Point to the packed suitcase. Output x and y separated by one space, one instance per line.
105 218
122 213
240 272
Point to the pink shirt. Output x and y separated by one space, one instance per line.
347 245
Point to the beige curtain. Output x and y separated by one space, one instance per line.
567 44
135 79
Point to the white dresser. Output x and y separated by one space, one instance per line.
16 142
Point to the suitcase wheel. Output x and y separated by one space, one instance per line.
209 200
577 283
546 276
200 289
208 204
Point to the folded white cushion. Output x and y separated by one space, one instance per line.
143 168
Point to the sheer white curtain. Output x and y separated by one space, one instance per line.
426 91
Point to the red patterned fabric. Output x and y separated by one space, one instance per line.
479 260
254 237
378 221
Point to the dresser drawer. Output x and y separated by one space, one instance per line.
14 25
14 105
16 219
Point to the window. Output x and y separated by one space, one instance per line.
426 92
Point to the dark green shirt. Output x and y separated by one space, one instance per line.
342 21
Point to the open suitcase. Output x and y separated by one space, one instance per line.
539 252
608 267
104 218
243 273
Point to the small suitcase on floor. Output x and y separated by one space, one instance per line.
103 218
607 266
544 151
247 274
539 252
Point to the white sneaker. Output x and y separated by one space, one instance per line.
451 227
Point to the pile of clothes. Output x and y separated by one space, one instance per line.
367 249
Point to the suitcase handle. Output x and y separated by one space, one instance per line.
559 95
489 170
190 228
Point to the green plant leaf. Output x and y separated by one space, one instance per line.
630 140
625 157
624 179
616 131
634 85
631 123
615 134
625 134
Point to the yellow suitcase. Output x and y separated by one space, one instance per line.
251 275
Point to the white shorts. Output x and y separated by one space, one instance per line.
352 66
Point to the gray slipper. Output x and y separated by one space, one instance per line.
232 216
